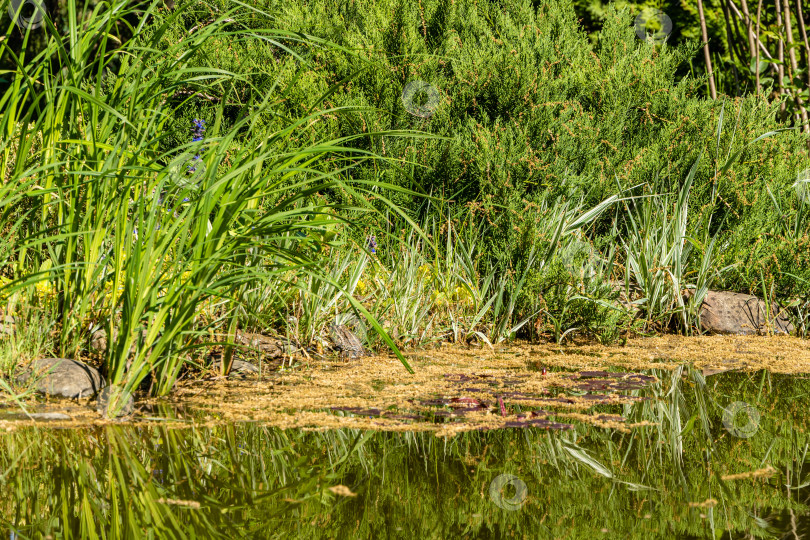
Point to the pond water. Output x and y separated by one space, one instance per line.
691 455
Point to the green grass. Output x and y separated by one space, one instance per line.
104 218
506 214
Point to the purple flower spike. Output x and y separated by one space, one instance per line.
197 131
199 127
372 244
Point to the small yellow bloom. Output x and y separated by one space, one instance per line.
109 298
3 282
361 286
462 296
45 289
439 299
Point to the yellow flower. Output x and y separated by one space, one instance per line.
3 282
439 299
462 296
109 299
361 286
45 289
425 270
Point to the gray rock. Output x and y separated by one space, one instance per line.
7 325
724 312
114 402
347 344
274 348
238 367
49 416
63 377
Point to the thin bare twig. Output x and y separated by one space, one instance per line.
781 57
794 66
736 10
759 13
193 93
803 32
206 23
733 34
706 53
748 26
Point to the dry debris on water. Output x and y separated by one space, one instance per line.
457 388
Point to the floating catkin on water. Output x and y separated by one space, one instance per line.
457 389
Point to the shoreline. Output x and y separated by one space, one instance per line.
467 378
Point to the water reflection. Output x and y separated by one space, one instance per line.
684 474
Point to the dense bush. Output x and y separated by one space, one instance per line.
529 109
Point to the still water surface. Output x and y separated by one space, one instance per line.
721 456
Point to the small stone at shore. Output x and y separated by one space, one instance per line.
63 377
238 367
725 312
49 416
7 325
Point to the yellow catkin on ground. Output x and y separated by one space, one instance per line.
765 472
342 490
708 503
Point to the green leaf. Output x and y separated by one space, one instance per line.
753 68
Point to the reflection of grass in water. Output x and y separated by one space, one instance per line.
112 478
